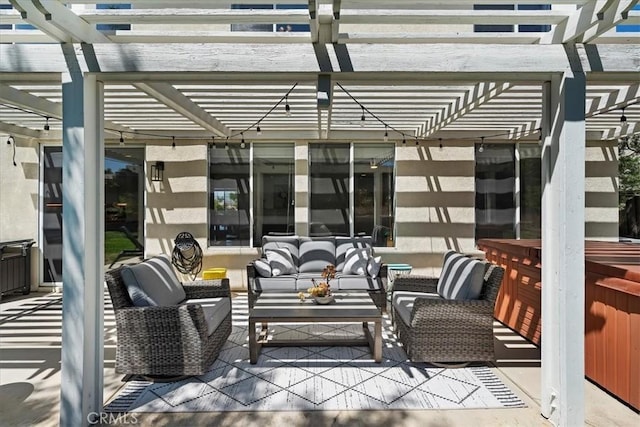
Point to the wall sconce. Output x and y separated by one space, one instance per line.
157 171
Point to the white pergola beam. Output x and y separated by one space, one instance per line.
36 17
82 357
448 17
194 16
174 99
10 129
65 20
590 21
563 232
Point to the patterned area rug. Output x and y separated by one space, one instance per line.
316 378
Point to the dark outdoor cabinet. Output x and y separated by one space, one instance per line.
15 266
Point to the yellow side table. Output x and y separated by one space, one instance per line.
214 273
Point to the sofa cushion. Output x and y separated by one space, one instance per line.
356 261
315 255
461 277
345 243
304 281
281 261
350 283
275 284
290 242
215 310
373 266
262 267
403 303
153 282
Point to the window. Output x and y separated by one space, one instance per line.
329 187
632 28
273 190
112 27
506 28
495 191
530 191
52 215
270 27
229 196
332 211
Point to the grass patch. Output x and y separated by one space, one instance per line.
114 243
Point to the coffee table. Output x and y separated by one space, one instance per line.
351 307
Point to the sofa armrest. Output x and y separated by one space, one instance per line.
416 283
214 288
143 325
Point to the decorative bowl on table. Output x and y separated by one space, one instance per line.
323 300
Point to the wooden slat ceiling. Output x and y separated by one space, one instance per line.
426 110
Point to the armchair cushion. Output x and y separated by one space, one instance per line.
153 282
462 277
403 302
281 261
215 310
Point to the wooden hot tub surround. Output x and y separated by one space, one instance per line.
612 306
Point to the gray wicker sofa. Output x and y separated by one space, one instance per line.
450 318
166 328
357 268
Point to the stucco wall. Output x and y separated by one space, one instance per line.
434 190
19 195
601 191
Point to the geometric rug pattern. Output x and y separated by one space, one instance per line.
316 378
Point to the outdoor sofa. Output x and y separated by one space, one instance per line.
450 318
164 327
289 263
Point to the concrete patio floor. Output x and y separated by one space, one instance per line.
30 382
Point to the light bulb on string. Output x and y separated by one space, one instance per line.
362 118
258 130
440 139
121 139
386 134
173 142
287 108
481 148
226 144
623 118
242 144
46 127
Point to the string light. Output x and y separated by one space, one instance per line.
46 126
121 138
258 130
481 148
173 142
226 144
417 142
287 108
362 118
404 140
242 144
623 118
440 139
386 134
9 140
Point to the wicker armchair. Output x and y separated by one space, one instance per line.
443 330
166 341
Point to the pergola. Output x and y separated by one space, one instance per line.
413 68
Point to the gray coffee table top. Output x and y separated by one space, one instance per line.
347 307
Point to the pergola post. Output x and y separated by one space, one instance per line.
83 248
563 280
